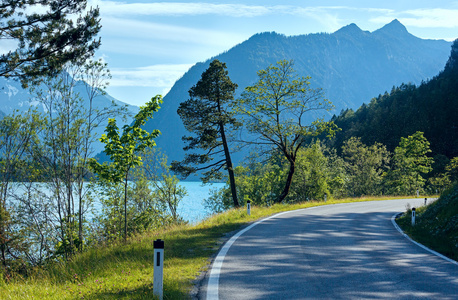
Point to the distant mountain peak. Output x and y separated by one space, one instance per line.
349 29
393 28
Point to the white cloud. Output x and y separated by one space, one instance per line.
113 8
423 18
150 30
181 9
157 76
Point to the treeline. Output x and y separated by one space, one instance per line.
55 199
431 108
292 160
403 143
322 173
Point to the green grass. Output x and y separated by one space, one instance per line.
125 271
436 224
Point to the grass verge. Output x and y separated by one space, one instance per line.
125 271
436 225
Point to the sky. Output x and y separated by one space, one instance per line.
148 45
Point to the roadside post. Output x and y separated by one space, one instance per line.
413 216
325 197
426 200
158 279
248 207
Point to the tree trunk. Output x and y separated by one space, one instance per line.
230 169
289 180
125 209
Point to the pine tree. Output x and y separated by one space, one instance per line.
205 115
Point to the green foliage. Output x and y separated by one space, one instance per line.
410 164
49 37
144 210
436 225
124 149
452 169
365 166
167 190
259 182
18 134
273 110
205 115
313 177
430 108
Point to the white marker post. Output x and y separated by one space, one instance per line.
158 279
248 207
413 216
325 197
426 200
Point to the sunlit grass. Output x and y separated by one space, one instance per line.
125 271
436 224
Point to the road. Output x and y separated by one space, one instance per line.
344 251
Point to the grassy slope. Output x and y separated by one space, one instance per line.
125 271
436 224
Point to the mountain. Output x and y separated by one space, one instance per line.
432 108
13 97
351 65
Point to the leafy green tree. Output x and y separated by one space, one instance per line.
71 119
18 133
410 164
312 180
274 111
365 166
124 149
167 190
258 182
49 34
452 169
205 115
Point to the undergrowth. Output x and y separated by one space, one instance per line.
125 270
436 225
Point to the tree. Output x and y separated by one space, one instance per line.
452 169
124 150
167 190
274 111
313 174
49 34
410 162
71 120
205 115
365 166
17 135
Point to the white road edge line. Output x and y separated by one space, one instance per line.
213 280
418 244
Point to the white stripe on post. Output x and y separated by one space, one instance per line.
158 280
413 216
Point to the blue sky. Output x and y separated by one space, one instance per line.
148 45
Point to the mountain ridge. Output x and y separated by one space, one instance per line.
352 68
14 98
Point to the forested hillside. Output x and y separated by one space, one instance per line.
432 108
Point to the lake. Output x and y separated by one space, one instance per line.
191 208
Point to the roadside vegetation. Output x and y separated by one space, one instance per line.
124 270
436 224
54 245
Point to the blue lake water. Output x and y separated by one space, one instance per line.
191 207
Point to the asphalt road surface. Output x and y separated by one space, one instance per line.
345 251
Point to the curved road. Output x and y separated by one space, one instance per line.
345 251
